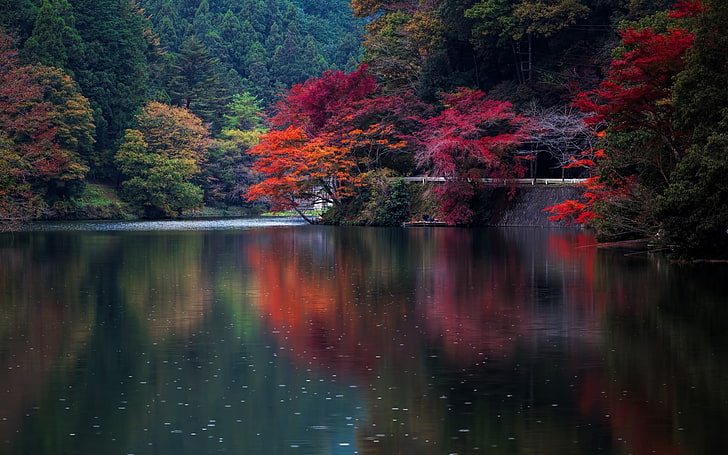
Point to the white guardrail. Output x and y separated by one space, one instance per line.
504 182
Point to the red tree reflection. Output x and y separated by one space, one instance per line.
335 303
474 305
348 305
310 306
639 425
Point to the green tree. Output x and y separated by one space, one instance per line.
160 159
269 44
514 24
494 18
114 73
274 38
55 40
297 58
259 81
228 167
348 52
546 17
237 36
694 208
700 90
169 25
245 113
247 37
198 82
384 200
202 22
18 16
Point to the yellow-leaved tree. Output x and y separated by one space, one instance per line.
161 158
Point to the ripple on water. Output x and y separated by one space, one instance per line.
219 224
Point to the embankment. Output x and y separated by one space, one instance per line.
526 208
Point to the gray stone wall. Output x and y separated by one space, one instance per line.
526 208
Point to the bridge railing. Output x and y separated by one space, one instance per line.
491 181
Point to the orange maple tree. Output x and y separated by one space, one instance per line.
301 172
327 134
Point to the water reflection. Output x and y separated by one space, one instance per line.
314 340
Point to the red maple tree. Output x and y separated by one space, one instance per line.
468 141
634 106
638 92
327 134
312 104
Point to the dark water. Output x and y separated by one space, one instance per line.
250 338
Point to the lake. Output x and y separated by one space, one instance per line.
268 336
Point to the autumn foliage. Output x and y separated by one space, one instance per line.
43 120
470 140
300 171
161 158
638 92
634 112
314 104
339 140
327 134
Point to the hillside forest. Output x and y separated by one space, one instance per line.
165 108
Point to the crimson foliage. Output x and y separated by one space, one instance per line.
634 107
470 140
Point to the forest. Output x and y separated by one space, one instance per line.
160 108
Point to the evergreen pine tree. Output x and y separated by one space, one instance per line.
114 73
259 81
202 22
55 39
169 26
297 58
17 16
198 82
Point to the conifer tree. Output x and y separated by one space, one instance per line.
55 40
17 16
114 74
169 26
297 59
259 81
198 84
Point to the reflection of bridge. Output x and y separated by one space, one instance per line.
502 182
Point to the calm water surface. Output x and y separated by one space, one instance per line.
273 337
